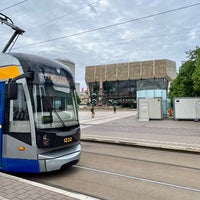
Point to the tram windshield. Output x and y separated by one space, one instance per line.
55 106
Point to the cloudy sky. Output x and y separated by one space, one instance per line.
94 32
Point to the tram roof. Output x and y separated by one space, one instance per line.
34 62
29 61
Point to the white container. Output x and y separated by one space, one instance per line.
150 108
187 108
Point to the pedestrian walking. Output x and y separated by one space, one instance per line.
92 112
114 108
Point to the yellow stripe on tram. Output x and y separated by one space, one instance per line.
9 72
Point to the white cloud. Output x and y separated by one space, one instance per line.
163 36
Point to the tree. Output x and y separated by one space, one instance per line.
187 82
196 76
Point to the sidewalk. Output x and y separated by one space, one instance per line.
14 188
125 128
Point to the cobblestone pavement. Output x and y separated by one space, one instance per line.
14 188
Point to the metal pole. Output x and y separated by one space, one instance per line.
6 20
10 41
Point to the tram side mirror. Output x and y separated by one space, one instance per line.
12 90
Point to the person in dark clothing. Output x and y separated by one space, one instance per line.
114 108
92 112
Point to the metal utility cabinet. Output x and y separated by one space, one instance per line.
187 108
150 108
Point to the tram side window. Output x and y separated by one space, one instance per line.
19 124
20 111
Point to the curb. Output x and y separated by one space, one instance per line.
144 143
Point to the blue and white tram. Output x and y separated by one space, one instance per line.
39 126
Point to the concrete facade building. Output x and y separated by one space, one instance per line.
120 82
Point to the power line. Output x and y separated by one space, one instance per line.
127 39
13 5
72 12
111 25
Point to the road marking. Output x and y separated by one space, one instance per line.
3 198
104 118
138 178
86 123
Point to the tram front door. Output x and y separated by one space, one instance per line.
1 118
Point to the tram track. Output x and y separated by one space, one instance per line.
138 178
142 160
131 154
164 168
108 171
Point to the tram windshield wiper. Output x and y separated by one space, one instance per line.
50 91
60 119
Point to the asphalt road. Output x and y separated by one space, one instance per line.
121 172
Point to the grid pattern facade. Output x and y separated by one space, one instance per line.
120 82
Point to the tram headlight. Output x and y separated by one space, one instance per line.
46 140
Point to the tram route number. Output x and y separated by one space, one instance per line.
68 139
